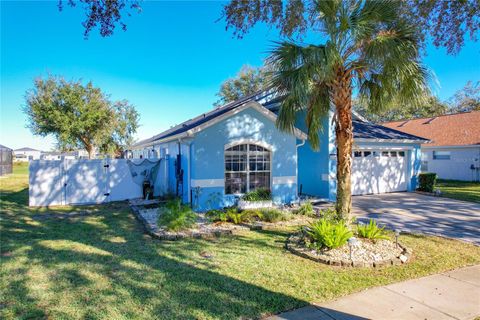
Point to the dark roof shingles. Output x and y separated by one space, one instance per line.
367 130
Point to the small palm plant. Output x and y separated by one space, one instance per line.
177 216
306 209
372 231
325 233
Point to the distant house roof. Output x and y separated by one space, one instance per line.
26 149
271 101
458 129
2 147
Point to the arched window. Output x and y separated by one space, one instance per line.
247 167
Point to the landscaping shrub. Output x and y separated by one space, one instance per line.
325 233
306 209
233 215
258 195
371 231
274 215
216 215
251 214
177 216
427 181
330 214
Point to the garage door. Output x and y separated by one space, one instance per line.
379 171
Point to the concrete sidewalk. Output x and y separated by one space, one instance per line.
450 295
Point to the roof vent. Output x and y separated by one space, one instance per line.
430 120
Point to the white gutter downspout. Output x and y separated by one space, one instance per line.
189 157
301 144
296 169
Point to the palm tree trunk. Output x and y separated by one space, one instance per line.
342 100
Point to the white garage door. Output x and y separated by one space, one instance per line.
378 171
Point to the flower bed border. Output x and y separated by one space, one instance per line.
294 248
171 236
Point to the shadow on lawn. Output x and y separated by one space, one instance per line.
131 275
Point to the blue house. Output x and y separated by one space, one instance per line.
211 160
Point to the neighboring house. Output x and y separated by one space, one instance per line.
454 150
6 158
26 154
56 155
216 157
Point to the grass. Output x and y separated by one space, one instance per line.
100 265
460 190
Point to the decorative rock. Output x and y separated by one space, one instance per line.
365 254
203 228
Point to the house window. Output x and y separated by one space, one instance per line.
401 153
247 167
424 166
441 155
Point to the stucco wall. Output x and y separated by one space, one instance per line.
207 152
458 167
313 165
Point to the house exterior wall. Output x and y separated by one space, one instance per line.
458 167
208 164
314 165
25 156
317 170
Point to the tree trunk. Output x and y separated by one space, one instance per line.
91 151
342 100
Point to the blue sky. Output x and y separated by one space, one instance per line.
169 63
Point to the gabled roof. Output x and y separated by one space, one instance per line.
26 149
268 102
458 129
196 124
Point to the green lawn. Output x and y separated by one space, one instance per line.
461 190
101 266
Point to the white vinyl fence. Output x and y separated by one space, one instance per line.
81 181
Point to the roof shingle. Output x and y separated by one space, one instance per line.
448 130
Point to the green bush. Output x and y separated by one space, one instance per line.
176 216
427 181
258 195
217 215
234 215
274 215
252 214
330 214
325 233
371 231
306 209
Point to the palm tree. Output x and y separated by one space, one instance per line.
369 48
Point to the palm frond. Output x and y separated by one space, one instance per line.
300 74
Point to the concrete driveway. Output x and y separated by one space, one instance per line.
422 214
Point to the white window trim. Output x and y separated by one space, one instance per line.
247 142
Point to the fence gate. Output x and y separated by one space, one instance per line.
85 181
